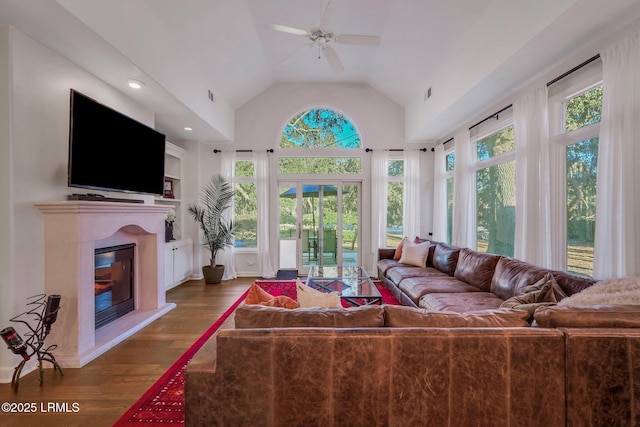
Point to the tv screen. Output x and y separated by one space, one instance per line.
110 151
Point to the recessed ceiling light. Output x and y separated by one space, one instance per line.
136 84
188 128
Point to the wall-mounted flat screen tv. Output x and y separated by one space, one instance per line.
112 152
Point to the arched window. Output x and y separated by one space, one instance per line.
320 128
317 139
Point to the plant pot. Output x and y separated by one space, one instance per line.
212 275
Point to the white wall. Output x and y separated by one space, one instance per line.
37 146
379 120
259 124
6 211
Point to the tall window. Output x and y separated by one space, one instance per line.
496 192
395 201
450 160
321 147
577 117
246 205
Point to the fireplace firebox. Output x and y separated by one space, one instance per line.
114 283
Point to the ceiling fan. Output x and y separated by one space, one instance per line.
322 38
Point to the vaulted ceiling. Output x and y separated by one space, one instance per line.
471 53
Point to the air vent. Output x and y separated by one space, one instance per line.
427 94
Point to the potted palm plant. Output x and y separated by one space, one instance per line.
216 197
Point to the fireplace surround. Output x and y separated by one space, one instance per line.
73 231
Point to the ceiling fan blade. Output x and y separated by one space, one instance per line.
358 39
295 53
324 14
290 30
332 59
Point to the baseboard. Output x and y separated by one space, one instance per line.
6 373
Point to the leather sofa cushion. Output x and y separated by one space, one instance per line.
396 275
476 268
416 287
409 317
461 302
258 316
432 249
597 316
445 258
385 264
511 276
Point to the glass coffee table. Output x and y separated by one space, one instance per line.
352 283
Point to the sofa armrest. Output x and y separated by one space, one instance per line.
205 357
386 253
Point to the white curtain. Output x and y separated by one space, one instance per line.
439 195
533 187
411 194
379 172
617 237
265 261
227 257
464 194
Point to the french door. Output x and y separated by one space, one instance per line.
319 224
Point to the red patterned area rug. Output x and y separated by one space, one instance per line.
288 288
163 403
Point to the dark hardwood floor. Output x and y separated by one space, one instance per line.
106 387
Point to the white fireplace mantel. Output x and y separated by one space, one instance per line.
73 230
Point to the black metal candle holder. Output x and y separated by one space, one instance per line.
43 314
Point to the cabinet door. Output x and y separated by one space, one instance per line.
182 260
168 266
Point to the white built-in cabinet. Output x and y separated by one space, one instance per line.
173 185
178 255
178 262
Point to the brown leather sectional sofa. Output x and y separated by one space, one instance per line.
403 366
464 280
464 364
365 372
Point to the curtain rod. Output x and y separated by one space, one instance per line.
573 70
368 150
446 142
560 77
496 115
216 151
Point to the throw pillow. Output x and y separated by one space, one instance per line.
282 301
309 297
544 292
415 254
625 290
398 254
257 295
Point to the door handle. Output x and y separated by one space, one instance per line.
299 230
